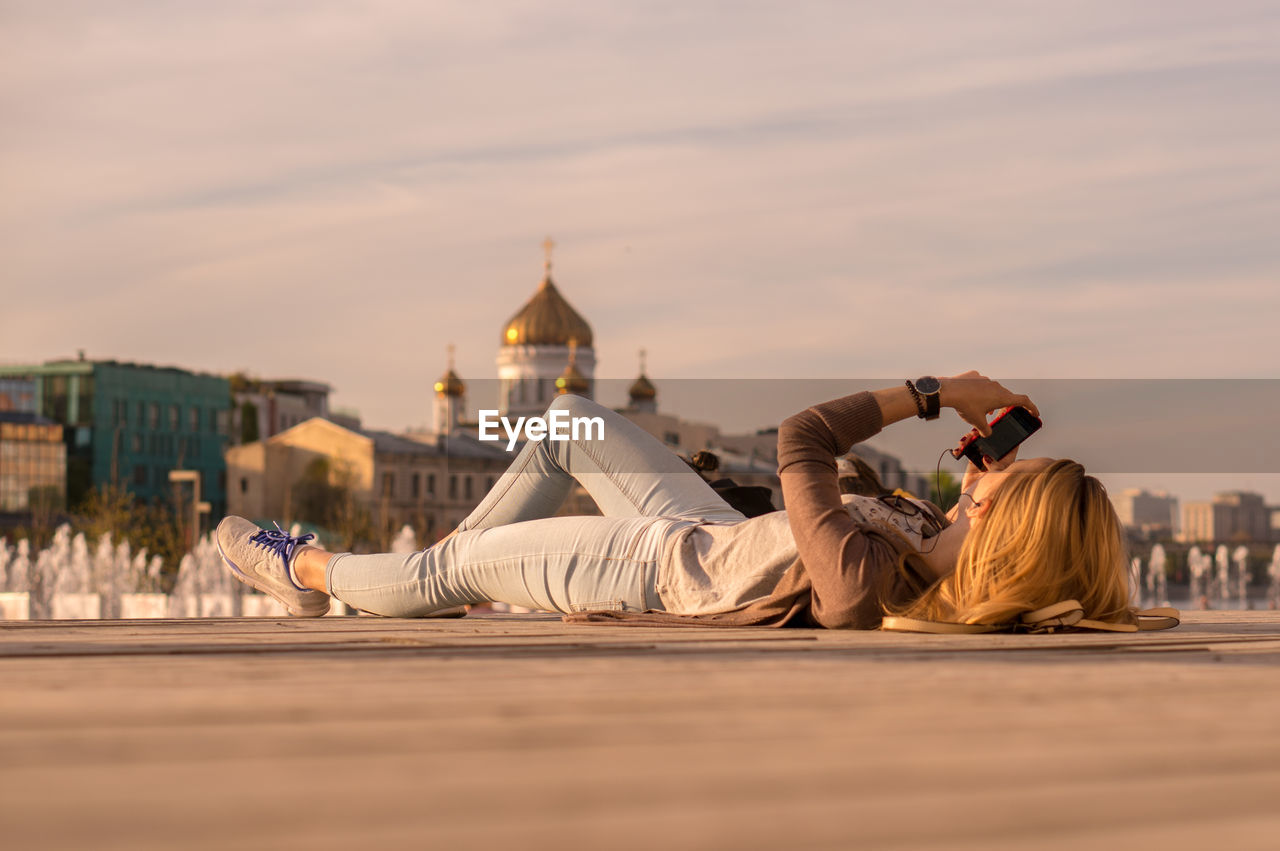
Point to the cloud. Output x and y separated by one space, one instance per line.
337 191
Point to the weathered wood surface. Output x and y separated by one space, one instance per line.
519 731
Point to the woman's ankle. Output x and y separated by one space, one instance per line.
308 568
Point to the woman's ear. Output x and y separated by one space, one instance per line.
976 510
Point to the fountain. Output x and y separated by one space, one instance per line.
1198 565
405 541
1241 559
1157 580
14 569
131 584
71 579
1135 582
1273 571
67 580
1222 583
73 597
204 588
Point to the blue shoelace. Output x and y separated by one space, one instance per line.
282 544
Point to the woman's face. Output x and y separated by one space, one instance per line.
989 482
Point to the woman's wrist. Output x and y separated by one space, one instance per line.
899 403
946 392
896 403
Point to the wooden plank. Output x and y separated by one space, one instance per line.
518 731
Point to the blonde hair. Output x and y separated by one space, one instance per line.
1045 537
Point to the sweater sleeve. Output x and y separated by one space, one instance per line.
846 566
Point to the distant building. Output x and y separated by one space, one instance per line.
130 423
1230 516
450 400
1153 514
642 395
763 442
891 472
431 484
888 468
33 464
683 436
266 407
745 465
17 394
1205 522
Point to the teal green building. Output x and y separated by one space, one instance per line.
129 423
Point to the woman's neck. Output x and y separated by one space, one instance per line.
945 550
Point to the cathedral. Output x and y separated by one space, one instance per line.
546 349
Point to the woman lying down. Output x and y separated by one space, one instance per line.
1026 536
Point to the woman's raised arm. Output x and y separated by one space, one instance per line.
845 566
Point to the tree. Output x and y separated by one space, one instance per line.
353 524
249 432
325 496
314 495
241 383
112 508
46 504
945 488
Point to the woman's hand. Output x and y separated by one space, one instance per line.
972 474
974 396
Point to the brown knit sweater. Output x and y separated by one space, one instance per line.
845 573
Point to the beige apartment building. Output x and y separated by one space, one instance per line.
1230 516
1153 513
429 485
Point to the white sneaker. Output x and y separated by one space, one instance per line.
260 559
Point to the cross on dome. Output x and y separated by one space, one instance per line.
450 384
548 245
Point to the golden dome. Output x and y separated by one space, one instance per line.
572 381
642 390
546 320
450 384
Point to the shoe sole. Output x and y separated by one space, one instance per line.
249 580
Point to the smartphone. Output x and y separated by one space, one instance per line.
1009 429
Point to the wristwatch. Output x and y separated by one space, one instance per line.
927 391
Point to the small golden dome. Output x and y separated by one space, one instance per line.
450 384
546 320
572 381
642 390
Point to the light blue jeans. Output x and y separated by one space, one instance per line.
512 549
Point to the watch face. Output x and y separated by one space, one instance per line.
928 385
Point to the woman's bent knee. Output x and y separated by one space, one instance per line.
574 405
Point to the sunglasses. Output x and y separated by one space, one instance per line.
906 507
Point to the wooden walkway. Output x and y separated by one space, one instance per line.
517 731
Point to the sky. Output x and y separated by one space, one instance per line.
835 190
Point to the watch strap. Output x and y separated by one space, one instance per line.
915 394
932 405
